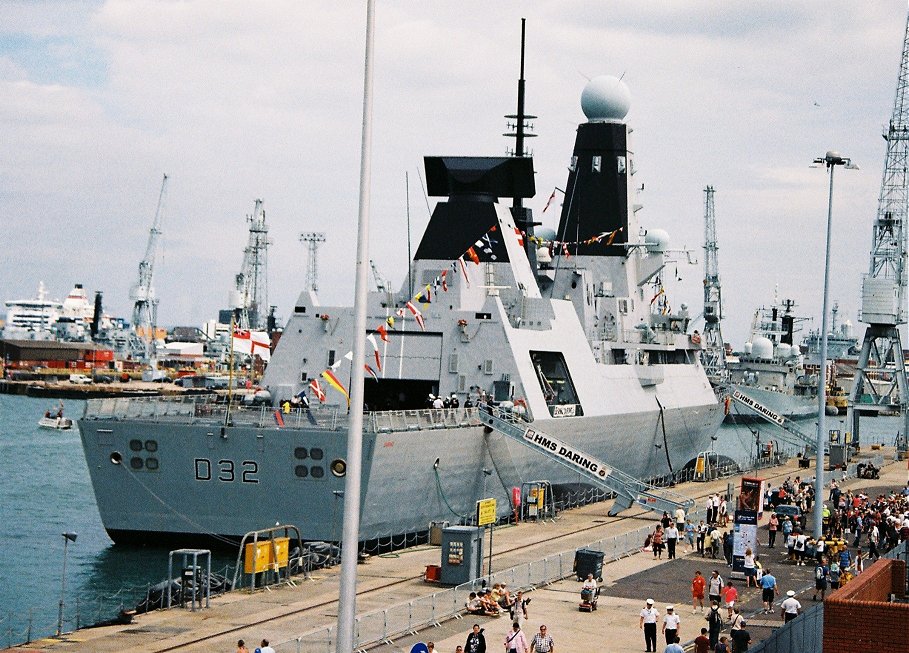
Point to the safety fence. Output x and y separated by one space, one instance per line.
804 634
388 624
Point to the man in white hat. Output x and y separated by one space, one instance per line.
649 616
671 625
790 608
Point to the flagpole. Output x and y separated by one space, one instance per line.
347 602
230 372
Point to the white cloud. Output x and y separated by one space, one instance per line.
237 101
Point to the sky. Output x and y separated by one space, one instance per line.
239 100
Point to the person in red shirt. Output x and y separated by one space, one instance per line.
698 586
702 643
730 596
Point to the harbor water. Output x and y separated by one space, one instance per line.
45 490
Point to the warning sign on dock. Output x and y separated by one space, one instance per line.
486 512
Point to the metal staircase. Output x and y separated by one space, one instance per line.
629 490
769 415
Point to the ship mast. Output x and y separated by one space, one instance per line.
250 296
520 126
884 287
714 353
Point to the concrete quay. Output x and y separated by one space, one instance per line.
282 614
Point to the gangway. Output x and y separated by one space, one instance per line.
773 417
628 489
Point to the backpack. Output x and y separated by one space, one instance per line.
715 619
819 573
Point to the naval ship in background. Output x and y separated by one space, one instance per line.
771 368
563 331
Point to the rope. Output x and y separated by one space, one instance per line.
444 499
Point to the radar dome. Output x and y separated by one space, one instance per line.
747 348
657 240
762 347
606 98
784 350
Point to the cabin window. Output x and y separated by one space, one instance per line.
331 357
556 384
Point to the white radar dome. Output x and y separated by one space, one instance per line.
657 240
762 347
747 348
606 98
784 350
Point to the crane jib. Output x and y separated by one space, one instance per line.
582 462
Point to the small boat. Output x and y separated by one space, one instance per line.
55 420
60 423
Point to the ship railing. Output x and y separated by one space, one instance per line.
387 421
210 411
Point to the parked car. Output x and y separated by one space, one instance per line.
788 510
79 379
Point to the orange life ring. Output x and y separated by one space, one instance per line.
696 338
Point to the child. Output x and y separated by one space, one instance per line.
730 595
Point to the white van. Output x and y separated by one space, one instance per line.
80 379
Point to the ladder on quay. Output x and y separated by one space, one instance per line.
628 490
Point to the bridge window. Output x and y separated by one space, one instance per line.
555 382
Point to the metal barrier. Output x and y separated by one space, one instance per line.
387 624
804 634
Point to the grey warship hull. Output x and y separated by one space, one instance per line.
558 331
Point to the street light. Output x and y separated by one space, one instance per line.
68 537
830 160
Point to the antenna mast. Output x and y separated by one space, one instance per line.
714 353
312 240
880 380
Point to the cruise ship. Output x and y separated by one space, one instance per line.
558 328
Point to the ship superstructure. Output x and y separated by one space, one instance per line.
574 345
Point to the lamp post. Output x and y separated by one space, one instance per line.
68 537
830 160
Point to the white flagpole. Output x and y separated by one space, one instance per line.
347 603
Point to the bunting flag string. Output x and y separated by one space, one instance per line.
317 390
333 381
375 350
371 372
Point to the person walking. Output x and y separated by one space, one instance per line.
265 648
515 641
476 641
702 533
722 646
674 647
790 607
542 642
768 591
772 526
689 534
698 588
649 616
702 642
657 542
741 639
821 573
715 587
671 624
241 647
750 570
730 596
714 624
672 537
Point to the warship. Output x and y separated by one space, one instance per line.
771 368
566 330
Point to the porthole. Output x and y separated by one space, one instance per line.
151 446
302 471
338 467
151 464
135 445
136 463
317 472
316 453
116 458
300 453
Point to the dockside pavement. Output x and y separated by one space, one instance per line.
282 614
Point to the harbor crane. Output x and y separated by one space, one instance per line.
880 380
312 240
380 281
142 294
713 356
249 298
